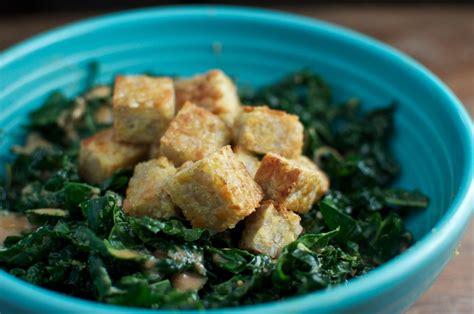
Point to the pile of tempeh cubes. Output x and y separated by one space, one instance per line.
178 135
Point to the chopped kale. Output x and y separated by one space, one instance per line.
87 247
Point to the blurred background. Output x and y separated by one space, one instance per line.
439 34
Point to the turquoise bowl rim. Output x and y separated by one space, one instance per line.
447 229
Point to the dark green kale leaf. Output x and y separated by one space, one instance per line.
377 237
247 280
147 228
231 260
348 227
312 263
354 171
76 193
138 289
34 247
100 277
387 237
232 291
38 180
46 116
35 274
121 235
61 271
118 182
313 222
51 167
99 212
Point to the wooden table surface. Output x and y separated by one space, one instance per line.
440 37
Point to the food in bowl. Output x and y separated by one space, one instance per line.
169 193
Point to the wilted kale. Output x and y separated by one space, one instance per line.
65 121
87 247
311 263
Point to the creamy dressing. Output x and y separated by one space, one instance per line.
33 142
12 224
187 281
104 115
99 92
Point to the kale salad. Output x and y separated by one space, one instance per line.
167 193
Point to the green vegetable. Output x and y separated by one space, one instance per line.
118 182
87 247
311 263
33 247
49 113
336 219
76 193
99 211
147 228
137 289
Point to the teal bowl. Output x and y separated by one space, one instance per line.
434 135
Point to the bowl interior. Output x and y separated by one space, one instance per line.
429 141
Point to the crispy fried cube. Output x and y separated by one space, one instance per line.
193 134
214 91
145 193
294 184
101 155
143 107
250 161
323 178
215 192
270 229
263 130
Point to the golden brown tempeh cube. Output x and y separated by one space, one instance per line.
145 193
262 130
294 184
324 180
250 161
213 91
193 134
101 155
215 192
270 229
143 107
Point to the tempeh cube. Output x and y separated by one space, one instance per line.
143 107
145 193
263 130
101 155
270 229
213 91
193 134
215 192
294 184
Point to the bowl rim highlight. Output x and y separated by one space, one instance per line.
453 221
